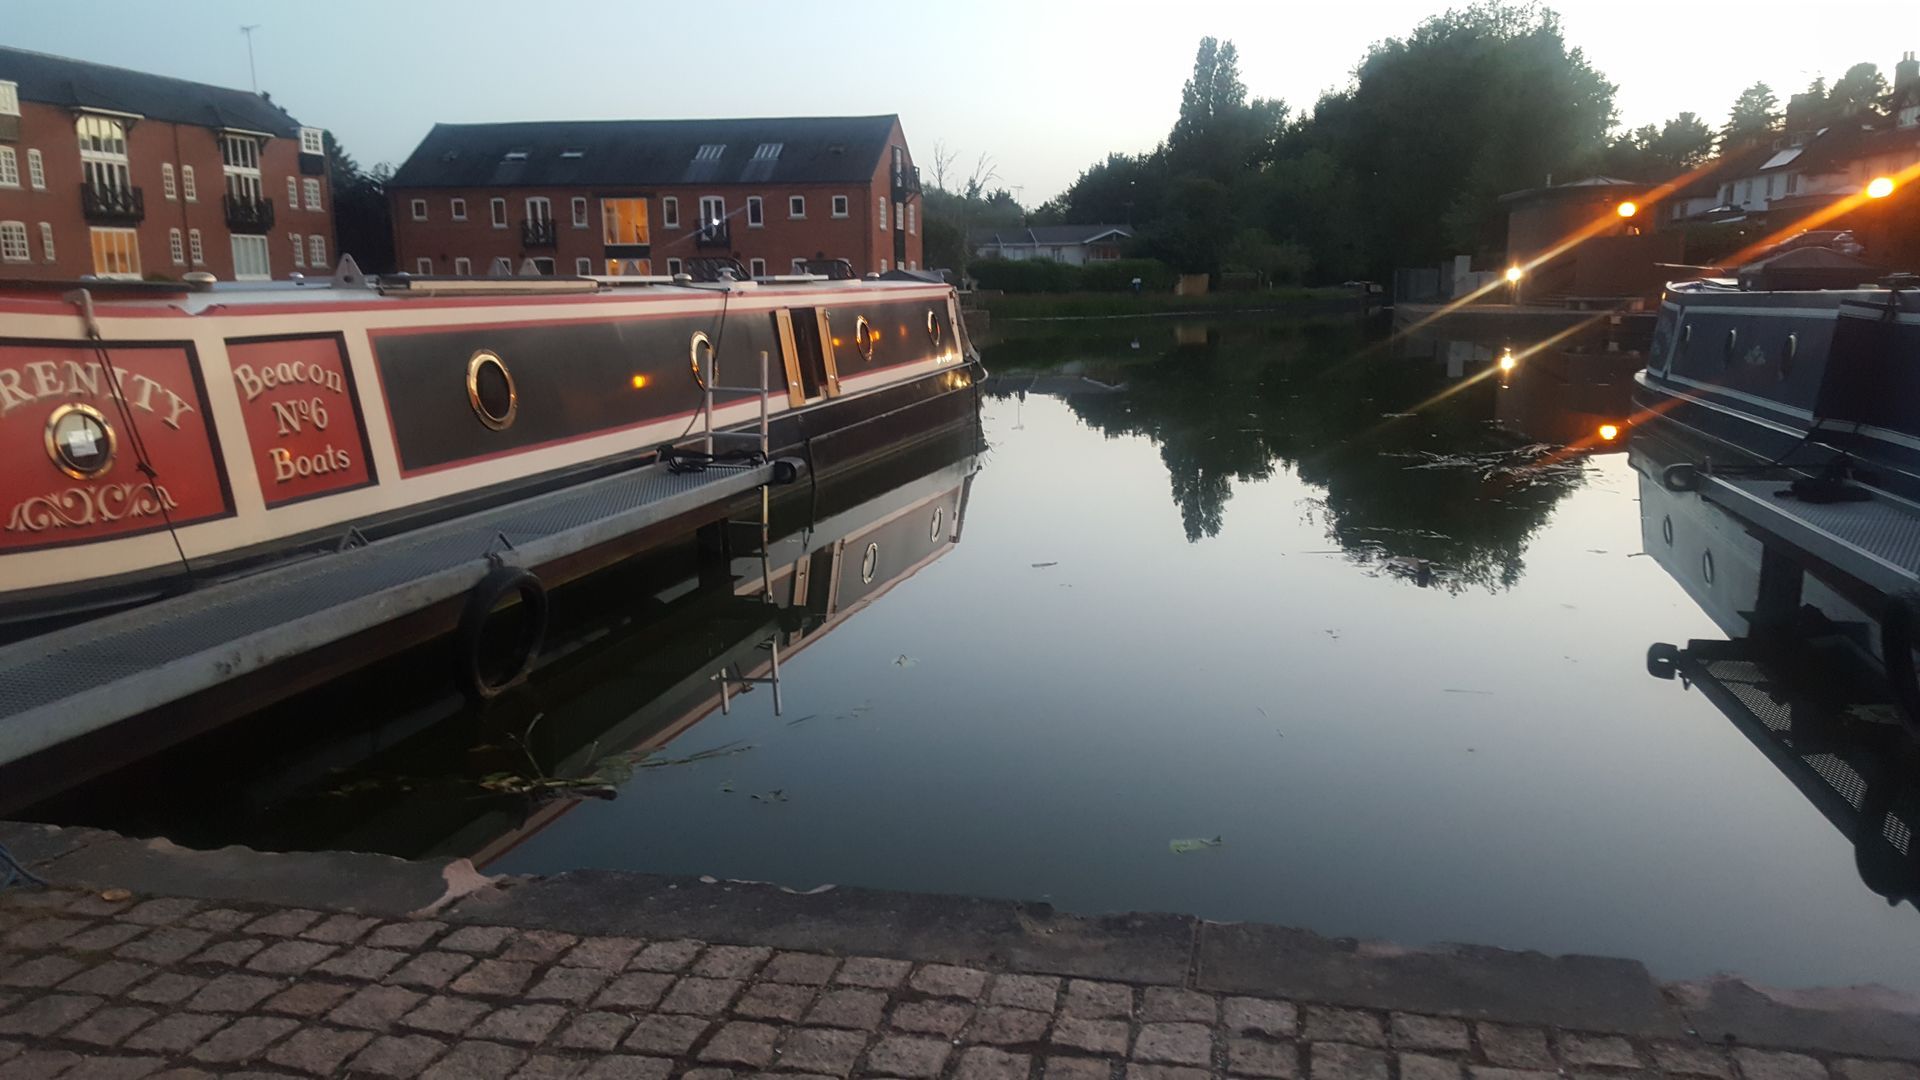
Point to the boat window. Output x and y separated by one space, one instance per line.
80 441
700 357
933 328
939 516
491 391
863 338
1733 343
870 563
1788 350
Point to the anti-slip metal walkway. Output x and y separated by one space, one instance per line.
66 684
1876 542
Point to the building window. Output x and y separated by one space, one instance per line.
539 208
176 247
756 212
543 266
883 213
883 266
623 221
240 167
103 153
457 208
312 141
9 98
194 250
187 190
317 251
116 252
293 192
909 217
583 266
299 250
579 212
46 241
713 210
463 267
710 152
250 259
502 267
13 242
797 207
670 213
167 185
499 208
757 268
36 171
839 206
419 207
311 188
10 171
767 151
799 266
673 267
899 218
423 265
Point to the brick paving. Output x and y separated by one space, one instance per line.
180 989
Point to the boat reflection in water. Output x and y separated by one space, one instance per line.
388 763
1799 674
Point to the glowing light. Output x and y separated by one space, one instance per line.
639 382
1880 188
1507 362
1513 273
1609 432
1627 209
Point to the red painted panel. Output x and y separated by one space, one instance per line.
42 506
303 421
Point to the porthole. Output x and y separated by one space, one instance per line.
1706 566
491 391
863 338
934 333
1733 344
80 441
1788 350
700 357
870 563
939 518
1666 529
1686 335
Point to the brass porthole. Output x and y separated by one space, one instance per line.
491 391
80 441
700 357
939 519
863 338
870 563
933 328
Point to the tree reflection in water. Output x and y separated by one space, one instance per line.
1436 491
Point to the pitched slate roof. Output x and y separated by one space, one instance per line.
57 80
564 153
1047 235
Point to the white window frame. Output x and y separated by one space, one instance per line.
674 266
128 241
756 212
14 245
423 265
46 241
669 212
498 208
883 266
883 213
188 190
313 141
899 216
799 265
106 166
583 266
310 188
713 210
457 208
242 173
177 247
299 250
539 208
255 245
168 186
418 209
579 204
9 98
10 172
757 268
196 251
317 251
500 262
799 201
841 206
910 219
36 170
293 192
463 266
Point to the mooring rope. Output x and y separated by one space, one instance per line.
16 872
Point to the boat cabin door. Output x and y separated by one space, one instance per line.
808 347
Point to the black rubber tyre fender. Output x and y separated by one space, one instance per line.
1681 477
1663 660
1896 655
499 583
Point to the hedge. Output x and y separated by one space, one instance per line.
1047 276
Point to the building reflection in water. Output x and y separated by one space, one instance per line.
1797 673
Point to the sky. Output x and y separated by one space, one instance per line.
1041 87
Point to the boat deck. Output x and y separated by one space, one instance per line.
78 680
1876 542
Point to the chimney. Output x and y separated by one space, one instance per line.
1906 73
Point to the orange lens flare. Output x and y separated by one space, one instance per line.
1609 432
1880 188
1627 209
639 382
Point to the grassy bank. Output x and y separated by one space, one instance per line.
1111 305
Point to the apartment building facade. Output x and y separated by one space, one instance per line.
123 174
647 197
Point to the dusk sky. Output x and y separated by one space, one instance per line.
1043 88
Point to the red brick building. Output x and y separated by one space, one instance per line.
123 174
623 197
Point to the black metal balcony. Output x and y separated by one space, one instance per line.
714 234
106 205
906 181
538 233
246 214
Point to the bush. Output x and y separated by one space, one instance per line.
1024 275
1118 275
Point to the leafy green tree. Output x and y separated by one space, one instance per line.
1755 117
1862 91
1684 142
362 214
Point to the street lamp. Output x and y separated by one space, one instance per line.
1627 209
1514 274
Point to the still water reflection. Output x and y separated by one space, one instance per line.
1354 609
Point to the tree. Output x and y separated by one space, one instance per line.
1684 143
362 215
1862 92
1754 118
1213 90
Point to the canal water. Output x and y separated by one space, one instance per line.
1256 620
